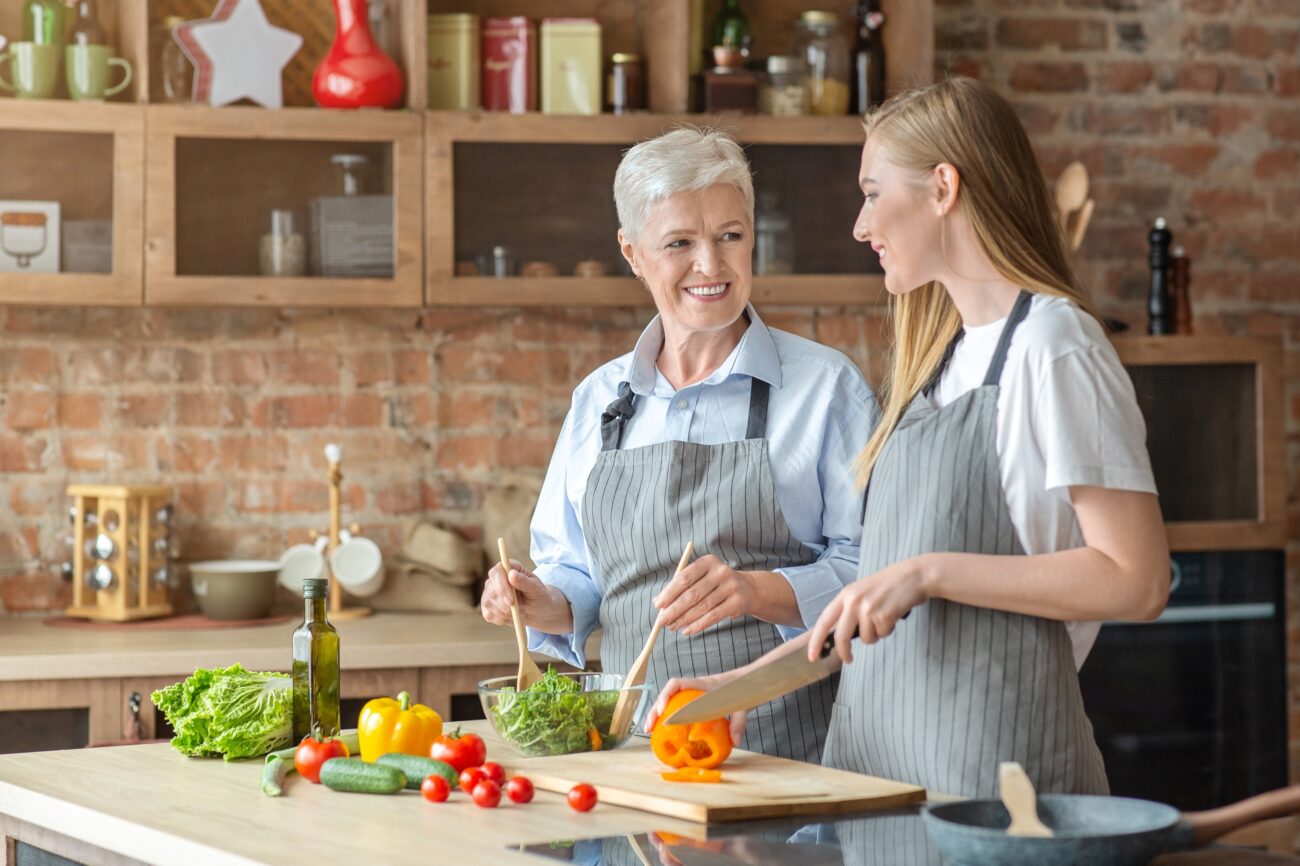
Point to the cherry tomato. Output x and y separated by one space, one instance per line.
495 772
435 789
471 777
487 794
520 790
582 797
311 753
462 751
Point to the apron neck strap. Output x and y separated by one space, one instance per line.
615 417
1018 313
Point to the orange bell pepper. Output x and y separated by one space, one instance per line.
386 725
692 774
704 744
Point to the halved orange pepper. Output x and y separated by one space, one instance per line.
692 774
704 744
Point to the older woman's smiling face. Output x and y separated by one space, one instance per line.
695 254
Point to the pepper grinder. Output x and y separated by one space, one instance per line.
1158 298
1180 278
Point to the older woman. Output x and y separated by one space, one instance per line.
714 430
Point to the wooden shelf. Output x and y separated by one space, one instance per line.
80 127
487 126
399 135
1196 366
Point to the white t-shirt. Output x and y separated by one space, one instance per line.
1067 416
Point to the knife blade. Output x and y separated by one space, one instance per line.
791 671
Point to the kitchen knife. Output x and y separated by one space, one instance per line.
791 671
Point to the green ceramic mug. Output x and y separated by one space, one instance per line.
88 72
34 69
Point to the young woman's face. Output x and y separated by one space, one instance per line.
695 254
899 219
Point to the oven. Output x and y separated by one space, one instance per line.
1190 709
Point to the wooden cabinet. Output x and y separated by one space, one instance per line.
1214 413
207 179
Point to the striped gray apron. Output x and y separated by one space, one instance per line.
641 507
957 689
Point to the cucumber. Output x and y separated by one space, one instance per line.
274 772
418 769
357 777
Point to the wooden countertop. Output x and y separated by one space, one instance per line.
31 650
151 804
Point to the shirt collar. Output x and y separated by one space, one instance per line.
755 355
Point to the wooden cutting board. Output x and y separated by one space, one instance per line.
753 786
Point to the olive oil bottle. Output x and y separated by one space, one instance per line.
315 667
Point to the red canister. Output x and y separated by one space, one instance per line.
509 80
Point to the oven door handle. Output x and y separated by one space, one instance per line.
1211 613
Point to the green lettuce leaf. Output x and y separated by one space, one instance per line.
553 716
229 711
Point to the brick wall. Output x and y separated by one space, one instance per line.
1190 110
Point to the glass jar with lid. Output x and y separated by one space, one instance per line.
625 87
783 89
821 45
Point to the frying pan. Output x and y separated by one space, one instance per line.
1090 830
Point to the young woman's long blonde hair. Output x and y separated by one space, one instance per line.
1002 193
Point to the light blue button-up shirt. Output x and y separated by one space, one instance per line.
820 415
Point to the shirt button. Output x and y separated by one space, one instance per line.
682 404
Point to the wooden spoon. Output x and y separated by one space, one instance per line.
628 700
1018 796
529 672
1081 225
1071 190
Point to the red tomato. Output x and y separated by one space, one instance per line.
471 777
495 772
582 797
462 751
310 754
520 790
435 789
487 794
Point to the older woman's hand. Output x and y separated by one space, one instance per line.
542 607
704 593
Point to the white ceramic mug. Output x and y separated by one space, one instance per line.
302 562
358 565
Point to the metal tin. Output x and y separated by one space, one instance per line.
509 76
453 62
571 66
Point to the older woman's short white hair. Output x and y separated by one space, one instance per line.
683 160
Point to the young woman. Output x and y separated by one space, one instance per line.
1010 504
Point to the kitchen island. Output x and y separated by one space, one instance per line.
148 804
44 669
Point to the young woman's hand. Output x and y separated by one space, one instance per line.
704 684
542 607
869 608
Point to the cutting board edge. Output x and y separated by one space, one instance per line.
795 808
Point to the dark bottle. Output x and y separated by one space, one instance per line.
1180 279
730 29
867 75
1158 298
315 667
86 29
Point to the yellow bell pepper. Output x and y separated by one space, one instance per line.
388 725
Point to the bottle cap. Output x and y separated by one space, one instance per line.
315 587
780 64
818 16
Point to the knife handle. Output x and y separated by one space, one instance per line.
828 645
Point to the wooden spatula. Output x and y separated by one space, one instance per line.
1018 796
627 701
529 672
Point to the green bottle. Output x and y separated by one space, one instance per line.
731 28
43 22
315 667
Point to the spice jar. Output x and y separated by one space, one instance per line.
283 251
823 48
783 90
626 84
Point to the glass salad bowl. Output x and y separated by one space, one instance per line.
563 713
